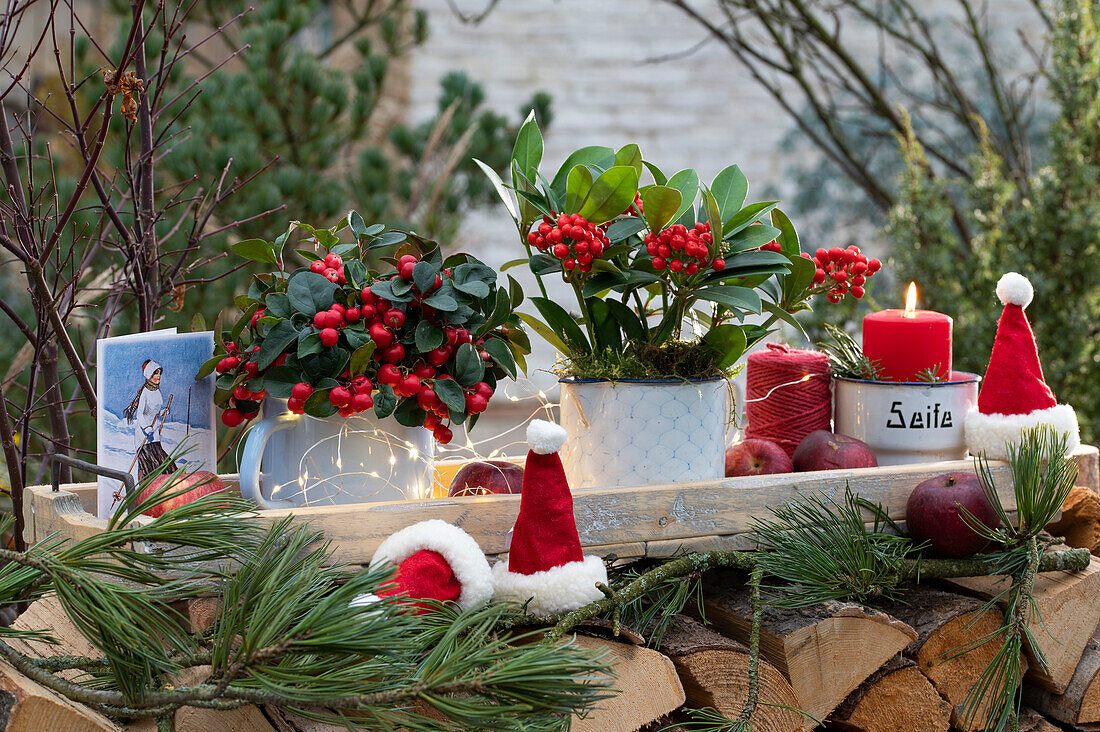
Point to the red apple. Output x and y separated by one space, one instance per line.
824 450
488 476
932 514
201 483
756 457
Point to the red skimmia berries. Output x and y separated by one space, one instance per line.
683 250
843 272
572 239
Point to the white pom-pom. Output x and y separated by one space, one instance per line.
1015 289
545 437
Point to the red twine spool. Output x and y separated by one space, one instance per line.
781 403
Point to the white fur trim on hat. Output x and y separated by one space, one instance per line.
460 550
150 368
553 591
1015 289
992 433
545 437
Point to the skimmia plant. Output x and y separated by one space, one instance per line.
379 320
667 274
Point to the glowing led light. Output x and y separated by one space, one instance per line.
393 460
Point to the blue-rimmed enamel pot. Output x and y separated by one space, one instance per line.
643 431
906 422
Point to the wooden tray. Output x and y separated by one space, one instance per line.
653 521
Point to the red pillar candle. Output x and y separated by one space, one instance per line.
905 343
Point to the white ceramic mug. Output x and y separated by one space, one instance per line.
291 460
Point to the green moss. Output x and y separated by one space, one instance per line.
670 360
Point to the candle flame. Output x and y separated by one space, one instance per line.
911 300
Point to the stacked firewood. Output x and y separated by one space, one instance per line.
834 666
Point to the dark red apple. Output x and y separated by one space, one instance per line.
932 514
756 457
200 482
487 476
824 450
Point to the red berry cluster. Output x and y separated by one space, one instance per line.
245 404
681 249
572 239
848 269
772 246
332 267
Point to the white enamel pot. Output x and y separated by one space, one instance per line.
906 422
643 432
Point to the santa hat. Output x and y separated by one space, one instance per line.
1014 396
149 368
545 567
435 561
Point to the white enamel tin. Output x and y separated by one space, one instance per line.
910 422
292 460
643 432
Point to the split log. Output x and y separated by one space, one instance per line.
27 706
1080 704
896 698
945 622
1068 605
248 718
825 651
1080 521
715 673
648 687
1032 721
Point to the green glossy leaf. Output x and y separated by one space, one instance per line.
596 156
536 202
257 250
513 263
658 177
428 337
753 237
208 367
713 215
730 188
630 155
748 216
409 414
310 293
563 324
622 229
424 275
628 320
545 332
729 340
450 393
544 264
309 343
801 277
788 237
469 368
612 192
659 205
527 152
500 352
318 405
578 186
243 321
786 317
198 323
687 183
277 305
355 272
360 358
277 339
442 300
733 297
385 401
609 335
358 226
500 188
